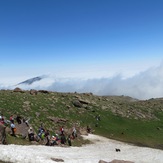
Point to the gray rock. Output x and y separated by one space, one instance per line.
77 103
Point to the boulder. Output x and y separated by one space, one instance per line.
18 90
44 91
57 159
101 161
83 131
22 129
57 120
77 103
84 101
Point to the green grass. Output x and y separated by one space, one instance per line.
17 140
4 161
139 131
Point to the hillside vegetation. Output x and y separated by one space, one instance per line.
121 118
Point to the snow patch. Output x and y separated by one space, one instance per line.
102 149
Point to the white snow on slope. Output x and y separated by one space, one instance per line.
101 149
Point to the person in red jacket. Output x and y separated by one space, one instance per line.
62 130
11 119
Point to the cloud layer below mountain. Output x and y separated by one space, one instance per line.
145 85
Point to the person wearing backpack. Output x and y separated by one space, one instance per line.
13 129
31 134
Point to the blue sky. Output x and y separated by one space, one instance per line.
79 38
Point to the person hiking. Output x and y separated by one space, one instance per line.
2 120
13 129
88 129
69 140
57 139
53 140
74 134
47 136
42 135
62 130
98 118
31 134
18 119
41 130
2 134
63 139
12 119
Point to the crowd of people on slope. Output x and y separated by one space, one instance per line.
42 134
51 140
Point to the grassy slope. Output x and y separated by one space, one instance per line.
141 131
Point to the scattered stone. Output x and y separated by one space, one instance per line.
37 114
83 131
57 159
18 90
77 103
117 150
44 91
33 92
57 120
158 128
68 106
101 161
84 101
24 136
26 102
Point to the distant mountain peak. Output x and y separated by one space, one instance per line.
32 80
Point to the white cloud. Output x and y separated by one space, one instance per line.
144 85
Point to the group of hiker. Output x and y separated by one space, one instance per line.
51 140
42 134
57 139
4 121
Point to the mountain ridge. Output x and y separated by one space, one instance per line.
31 80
